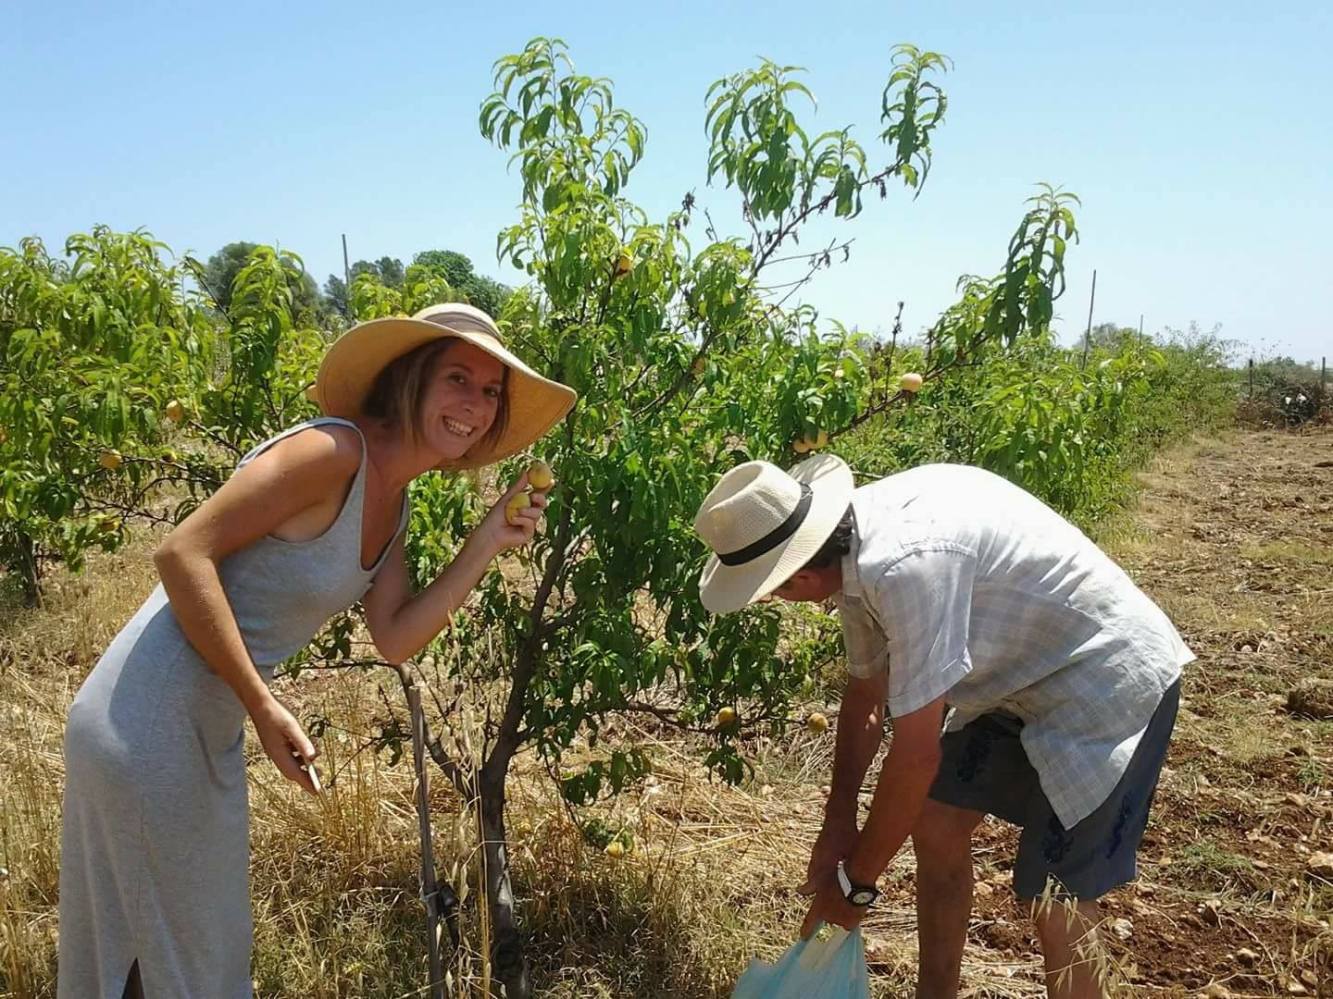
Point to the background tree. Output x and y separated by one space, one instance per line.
219 274
454 267
335 296
100 358
221 270
386 271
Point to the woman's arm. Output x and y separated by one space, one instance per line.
402 623
301 472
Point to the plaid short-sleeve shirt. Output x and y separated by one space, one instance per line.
964 586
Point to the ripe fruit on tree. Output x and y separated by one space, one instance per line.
540 476
911 382
108 525
175 411
725 718
810 443
624 263
817 722
517 502
110 459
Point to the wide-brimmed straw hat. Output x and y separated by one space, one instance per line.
352 364
763 524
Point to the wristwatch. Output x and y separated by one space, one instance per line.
862 896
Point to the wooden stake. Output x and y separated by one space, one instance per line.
429 889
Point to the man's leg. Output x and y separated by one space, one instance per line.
1068 933
942 841
1094 857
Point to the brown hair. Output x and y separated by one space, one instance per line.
399 389
839 543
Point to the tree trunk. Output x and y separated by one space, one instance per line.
27 569
509 963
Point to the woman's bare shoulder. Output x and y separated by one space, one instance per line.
326 451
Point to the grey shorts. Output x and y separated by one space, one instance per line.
985 769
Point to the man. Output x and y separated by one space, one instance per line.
957 589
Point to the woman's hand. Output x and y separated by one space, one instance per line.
401 622
285 742
496 534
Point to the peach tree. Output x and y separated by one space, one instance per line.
98 350
690 353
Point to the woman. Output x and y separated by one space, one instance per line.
154 897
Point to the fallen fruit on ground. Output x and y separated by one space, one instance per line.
817 722
110 459
175 411
615 849
725 718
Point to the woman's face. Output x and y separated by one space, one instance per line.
462 399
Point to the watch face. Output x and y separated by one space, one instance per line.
862 896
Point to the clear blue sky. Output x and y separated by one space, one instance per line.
1197 133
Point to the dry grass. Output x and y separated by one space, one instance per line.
709 884
1228 536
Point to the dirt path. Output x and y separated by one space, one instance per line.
1235 541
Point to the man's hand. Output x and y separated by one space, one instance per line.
830 906
835 843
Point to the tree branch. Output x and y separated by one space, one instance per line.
507 739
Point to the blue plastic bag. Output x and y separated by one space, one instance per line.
834 968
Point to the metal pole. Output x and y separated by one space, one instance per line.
347 270
1087 337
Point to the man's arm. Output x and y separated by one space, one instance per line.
860 729
904 783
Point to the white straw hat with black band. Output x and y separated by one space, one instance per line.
763 524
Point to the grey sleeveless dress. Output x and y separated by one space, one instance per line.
155 843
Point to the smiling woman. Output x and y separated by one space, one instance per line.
347 383
408 395
153 892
